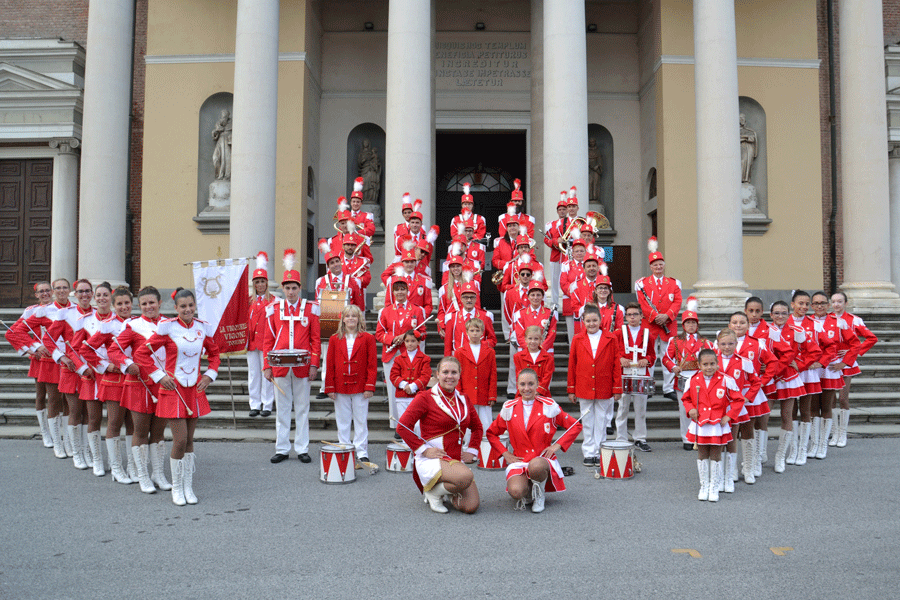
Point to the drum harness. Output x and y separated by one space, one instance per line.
626 335
291 319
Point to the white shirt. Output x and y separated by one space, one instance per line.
594 339
526 409
476 350
350 339
534 355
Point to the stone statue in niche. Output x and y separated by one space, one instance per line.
370 167
220 188
595 168
749 152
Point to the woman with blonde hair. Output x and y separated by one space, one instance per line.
352 367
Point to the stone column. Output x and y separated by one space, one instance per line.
255 134
63 256
864 168
565 103
538 202
409 144
720 244
106 135
894 171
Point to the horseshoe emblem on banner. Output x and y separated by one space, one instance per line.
211 287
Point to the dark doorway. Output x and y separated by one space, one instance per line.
25 205
490 161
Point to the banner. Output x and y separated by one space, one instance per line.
223 300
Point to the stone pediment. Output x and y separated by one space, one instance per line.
19 79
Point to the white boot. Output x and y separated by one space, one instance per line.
131 467
96 453
748 449
784 442
703 471
795 444
115 461
715 475
729 462
824 432
177 481
537 494
845 421
85 446
140 454
56 435
45 427
814 431
836 430
190 466
158 466
435 498
802 443
762 443
66 438
74 432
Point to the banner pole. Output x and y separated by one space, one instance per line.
231 390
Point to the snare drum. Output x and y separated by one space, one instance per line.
337 464
399 458
331 304
489 459
638 384
617 460
288 358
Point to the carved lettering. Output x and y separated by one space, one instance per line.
482 64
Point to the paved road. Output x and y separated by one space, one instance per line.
274 531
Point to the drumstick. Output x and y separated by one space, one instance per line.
139 378
696 422
372 467
162 368
426 442
573 425
392 346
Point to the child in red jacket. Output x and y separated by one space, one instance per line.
478 374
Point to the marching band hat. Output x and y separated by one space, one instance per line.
352 238
407 202
342 215
690 311
408 255
454 260
536 284
416 215
262 267
572 197
603 280
467 197
517 192
468 288
358 184
563 200
523 240
425 247
398 281
331 254
579 242
655 254
290 274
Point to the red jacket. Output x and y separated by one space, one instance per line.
765 364
714 400
455 328
304 320
590 377
665 299
810 351
394 320
417 371
858 326
480 225
530 439
359 268
742 371
544 367
352 374
543 318
365 222
837 336
628 346
419 291
478 381
529 224
256 325
435 422
552 232
570 272
504 251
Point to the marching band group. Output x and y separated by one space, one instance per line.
146 370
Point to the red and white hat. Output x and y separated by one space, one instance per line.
468 288
454 260
573 197
537 282
525 264
523 240
407 202
563 199
517 192
352 238
408 255
290 274
425 247
358 185
262 267
330 255
416 215
469 224
342 207
467 197
690 310
603 277
653 248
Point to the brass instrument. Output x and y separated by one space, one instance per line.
567 234
497 277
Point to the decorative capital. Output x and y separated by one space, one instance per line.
894 151
65 145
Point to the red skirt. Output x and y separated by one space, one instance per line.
759 407
49 371
136 399
88 389
34 367
554 482
69 381
171 406
852 370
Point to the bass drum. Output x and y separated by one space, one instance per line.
330 307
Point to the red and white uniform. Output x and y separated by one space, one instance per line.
552 232
418 291
293 328
95 350
839 344
480 224
337 246
415 370
594 377
360 265
261 390
478 376
455 328
580 293
352 373
504 252
542 362
451 301
22 341
61 332
771 337
528 219
37 324
512 267
869 339
741 370
134 335
90 324
468 265
764 364
714 398
443 420
475 252
532 427
682 349
183 343
342 282
635 346
788 383
665 296
394 320
399 240
543 317
570 272
365 223
515 299
810 352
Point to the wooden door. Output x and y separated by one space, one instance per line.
26 197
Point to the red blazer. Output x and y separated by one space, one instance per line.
721 397
810 351
593 378
552 232
544 367
418 371
665 297
365 222
434 423
764 362
504 251
858 326
480 225
529 224
570 272
478 381
526 317
742 371
306 334
394 321
419 291
455 329
529 440
352 374
360 264
837 336
256 325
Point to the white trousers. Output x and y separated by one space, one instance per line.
594 424
555 269
324 356
486 415
684 420
262 391
640 417
392 395
353 408
570 327
668 376
511 378
296 397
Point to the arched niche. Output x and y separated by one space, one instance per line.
212 216
651 184
604 198
365 158
754 158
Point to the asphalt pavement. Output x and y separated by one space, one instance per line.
826 529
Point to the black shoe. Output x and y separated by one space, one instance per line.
253 413
304 458
363 459
596 460
568 471
673 396
278 458
588 461
265 413
642 446
610 431
687 446
397 437
321 396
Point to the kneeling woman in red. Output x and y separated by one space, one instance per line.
444 415
712 400
181 395
532 422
